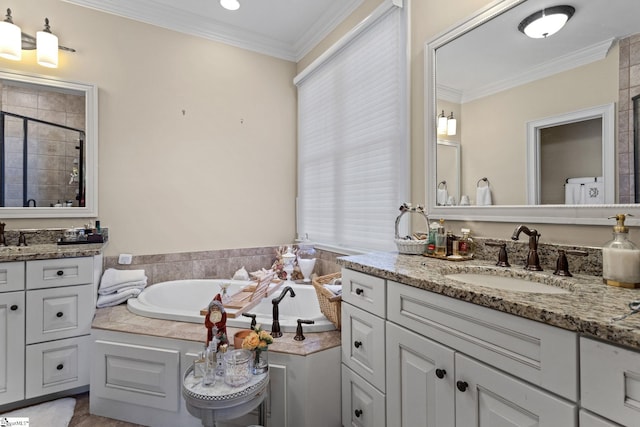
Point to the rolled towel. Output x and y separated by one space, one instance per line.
117 298
483 196
442 196
124 285
111 277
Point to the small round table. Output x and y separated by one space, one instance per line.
222 402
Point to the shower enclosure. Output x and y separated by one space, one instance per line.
41 163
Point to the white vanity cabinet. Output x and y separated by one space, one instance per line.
45 325
363 350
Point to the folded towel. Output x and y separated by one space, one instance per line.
442 197
483 196
111 277
335 289
140 284
573 194
117 298
132 285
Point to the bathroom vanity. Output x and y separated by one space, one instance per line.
422 349
47 302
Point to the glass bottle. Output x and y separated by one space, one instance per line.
441 240
209 378
466 245
621 258
306 258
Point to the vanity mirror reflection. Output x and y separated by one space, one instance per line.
507 91
48 147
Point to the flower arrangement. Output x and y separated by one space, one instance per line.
258 342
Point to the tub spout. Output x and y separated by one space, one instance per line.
275 326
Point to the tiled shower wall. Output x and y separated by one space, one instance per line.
629 84
218 264
52 154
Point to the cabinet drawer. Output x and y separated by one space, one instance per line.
59 313
364 291
11 276
363 344
362 404
587 419
49 273
57 366
538 353
610 381
140 375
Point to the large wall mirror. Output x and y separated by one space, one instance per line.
548 121
48 147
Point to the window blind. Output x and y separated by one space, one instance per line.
352 139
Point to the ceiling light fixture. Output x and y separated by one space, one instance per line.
13 41
230 4
546 22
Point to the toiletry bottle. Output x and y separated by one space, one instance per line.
466 245
621 258
441 240
200 365
431 241
450 240
220 359
209 378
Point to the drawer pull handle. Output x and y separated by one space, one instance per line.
60 273
359 291
462 385
59 367
440 373
14 307
59 314
358 412
357 344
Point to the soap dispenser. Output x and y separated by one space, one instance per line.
621 258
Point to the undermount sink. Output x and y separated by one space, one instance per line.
506 283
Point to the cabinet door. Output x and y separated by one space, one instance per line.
12 311
420 381
587 419
363 344
362 404
486 397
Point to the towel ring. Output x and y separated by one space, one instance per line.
482 179
443 184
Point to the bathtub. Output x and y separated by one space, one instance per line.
182 300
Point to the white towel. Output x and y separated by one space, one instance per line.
113 279
442 196
593 193
335 289
581 180
131 285
116 298
573 194
483 196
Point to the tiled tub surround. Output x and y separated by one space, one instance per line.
587 309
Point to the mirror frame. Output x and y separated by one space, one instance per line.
90 210
550 214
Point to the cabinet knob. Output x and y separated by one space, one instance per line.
440 373
60 273
462 385
14 307
59 367
359 291
59 314
357 413
357 344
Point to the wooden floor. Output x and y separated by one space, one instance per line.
82 417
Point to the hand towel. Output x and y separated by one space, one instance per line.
572 194
593 193
124 285
581 180
111 277
117 298
442 196
483 196
335 289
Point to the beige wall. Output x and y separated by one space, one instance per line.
197 138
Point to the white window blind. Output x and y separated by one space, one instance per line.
353 146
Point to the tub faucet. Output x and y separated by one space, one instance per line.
533 261
275 326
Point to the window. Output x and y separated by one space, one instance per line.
353 168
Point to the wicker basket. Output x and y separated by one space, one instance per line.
411 247
330 304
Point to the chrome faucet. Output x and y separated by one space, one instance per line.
533 261
275 326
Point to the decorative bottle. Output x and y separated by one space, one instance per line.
306 258
621 258
466 245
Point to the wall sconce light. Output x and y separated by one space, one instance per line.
230 4
546 22
447 125
13 41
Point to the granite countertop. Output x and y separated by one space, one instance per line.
586 309
48 251
120 319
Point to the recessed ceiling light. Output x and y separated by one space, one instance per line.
546 22
230 4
